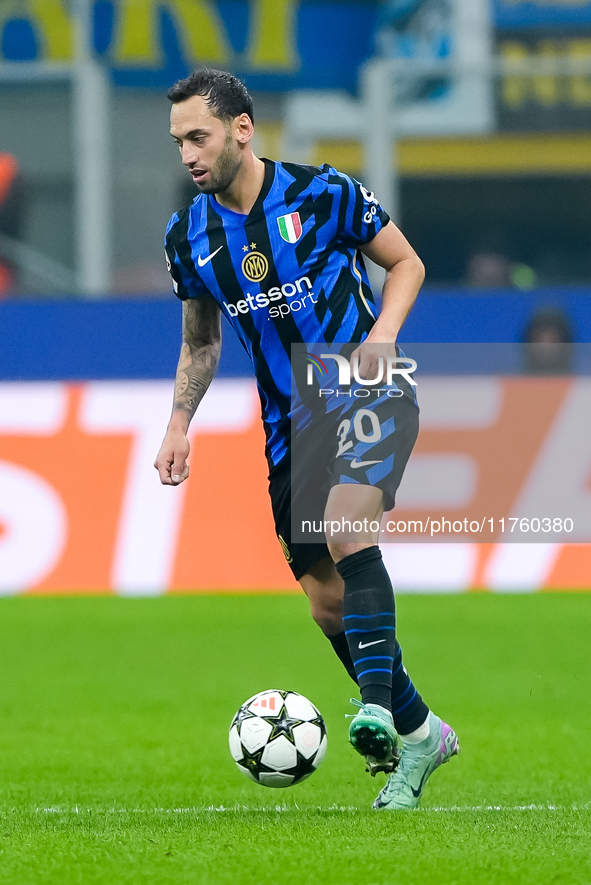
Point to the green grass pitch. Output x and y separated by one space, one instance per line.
114 766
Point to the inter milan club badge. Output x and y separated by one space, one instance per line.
254 265
290 227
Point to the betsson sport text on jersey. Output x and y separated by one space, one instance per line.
262 299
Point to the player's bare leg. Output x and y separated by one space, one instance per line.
353 504
324 588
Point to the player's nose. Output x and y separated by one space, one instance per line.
189 154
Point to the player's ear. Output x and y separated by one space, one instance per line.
244 128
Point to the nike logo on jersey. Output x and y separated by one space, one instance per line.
203 261
356 463
367 644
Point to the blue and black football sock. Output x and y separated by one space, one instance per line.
369 621
408 708
341 649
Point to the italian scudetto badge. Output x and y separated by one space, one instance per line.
290 227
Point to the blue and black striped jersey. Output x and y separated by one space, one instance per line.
288 272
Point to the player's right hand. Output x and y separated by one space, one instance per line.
171 462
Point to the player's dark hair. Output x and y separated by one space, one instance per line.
226 95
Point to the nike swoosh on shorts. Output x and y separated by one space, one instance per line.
356 463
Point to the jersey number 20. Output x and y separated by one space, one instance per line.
374 435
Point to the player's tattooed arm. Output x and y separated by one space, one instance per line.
200 353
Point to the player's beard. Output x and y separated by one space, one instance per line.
224 170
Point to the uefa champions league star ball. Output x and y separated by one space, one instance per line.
278 738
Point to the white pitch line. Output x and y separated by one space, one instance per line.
222 809
532 807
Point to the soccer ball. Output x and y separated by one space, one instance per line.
278 738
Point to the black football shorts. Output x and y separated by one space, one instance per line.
366 443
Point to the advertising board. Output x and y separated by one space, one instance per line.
82 510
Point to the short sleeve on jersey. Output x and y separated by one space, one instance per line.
186 283
361 217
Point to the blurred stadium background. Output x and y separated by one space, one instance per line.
470 119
